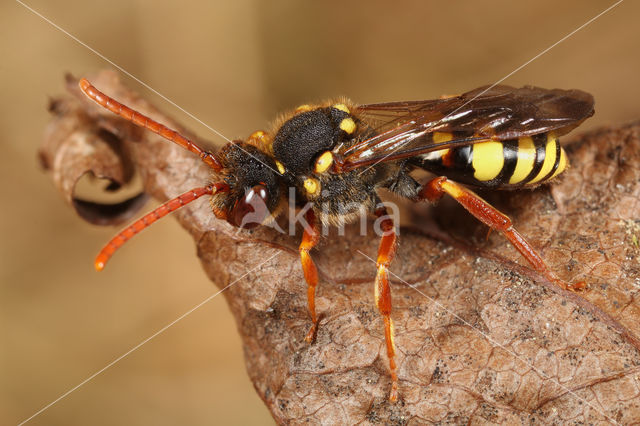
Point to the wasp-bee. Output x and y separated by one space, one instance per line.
335 156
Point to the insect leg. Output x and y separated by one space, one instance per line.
386 252
309 240
490 216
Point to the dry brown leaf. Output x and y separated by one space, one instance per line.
481 338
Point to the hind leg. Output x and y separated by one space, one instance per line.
490 216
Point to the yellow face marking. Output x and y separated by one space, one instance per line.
562 165
348 125
311 185
280 167
526 159
341 107
549 159
303 108
488 160
323 162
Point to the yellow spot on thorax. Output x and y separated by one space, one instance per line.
323 162
259 134
341 107
488 160
303 108
280 167
311 185
549 159
525 161
348 125
259 139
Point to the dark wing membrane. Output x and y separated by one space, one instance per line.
404 129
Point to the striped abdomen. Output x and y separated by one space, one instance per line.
526 161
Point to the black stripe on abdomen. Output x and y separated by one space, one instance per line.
540 142
510 153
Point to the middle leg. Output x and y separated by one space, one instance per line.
309 240
386 253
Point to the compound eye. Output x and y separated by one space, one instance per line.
251 210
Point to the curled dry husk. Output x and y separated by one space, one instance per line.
480 338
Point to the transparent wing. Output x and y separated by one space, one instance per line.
405 129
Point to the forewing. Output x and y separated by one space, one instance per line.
404 129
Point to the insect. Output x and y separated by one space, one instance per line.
336 155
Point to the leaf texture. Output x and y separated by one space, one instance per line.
480 337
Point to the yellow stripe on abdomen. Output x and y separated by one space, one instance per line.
439 137
526 160
549 159
488 160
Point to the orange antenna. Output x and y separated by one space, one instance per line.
126 234
142 120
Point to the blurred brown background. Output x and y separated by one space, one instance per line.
234 65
